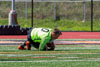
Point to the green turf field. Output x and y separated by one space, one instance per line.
63 56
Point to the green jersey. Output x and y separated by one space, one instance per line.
41 35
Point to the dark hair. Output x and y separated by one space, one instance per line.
57 31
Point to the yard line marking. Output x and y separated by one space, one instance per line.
9 49
67 57
74 48
32 56
23 55
94 48
7 53
51 61
44 57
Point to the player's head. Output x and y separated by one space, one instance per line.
56 33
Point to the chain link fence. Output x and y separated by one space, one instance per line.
69 10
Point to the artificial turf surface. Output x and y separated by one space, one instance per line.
63 56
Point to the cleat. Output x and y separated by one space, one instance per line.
21 48
28 45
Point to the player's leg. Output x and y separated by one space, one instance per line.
26 43
21 47
36 45
29 40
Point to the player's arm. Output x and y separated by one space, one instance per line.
43 43
46 47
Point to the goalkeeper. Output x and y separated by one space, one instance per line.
41 38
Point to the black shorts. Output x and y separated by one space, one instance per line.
32 43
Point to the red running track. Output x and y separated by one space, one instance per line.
80 35
65 35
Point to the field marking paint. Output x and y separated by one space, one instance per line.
66 48
24 55
45 57
9 49
46 61
32 56
67 57
13 53
74 48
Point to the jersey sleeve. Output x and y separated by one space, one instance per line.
43 43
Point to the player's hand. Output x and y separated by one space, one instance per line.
51 46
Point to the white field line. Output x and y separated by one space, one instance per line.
67 57
24 55
42 55
60 48
32 55
37 55
46 61
75 48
